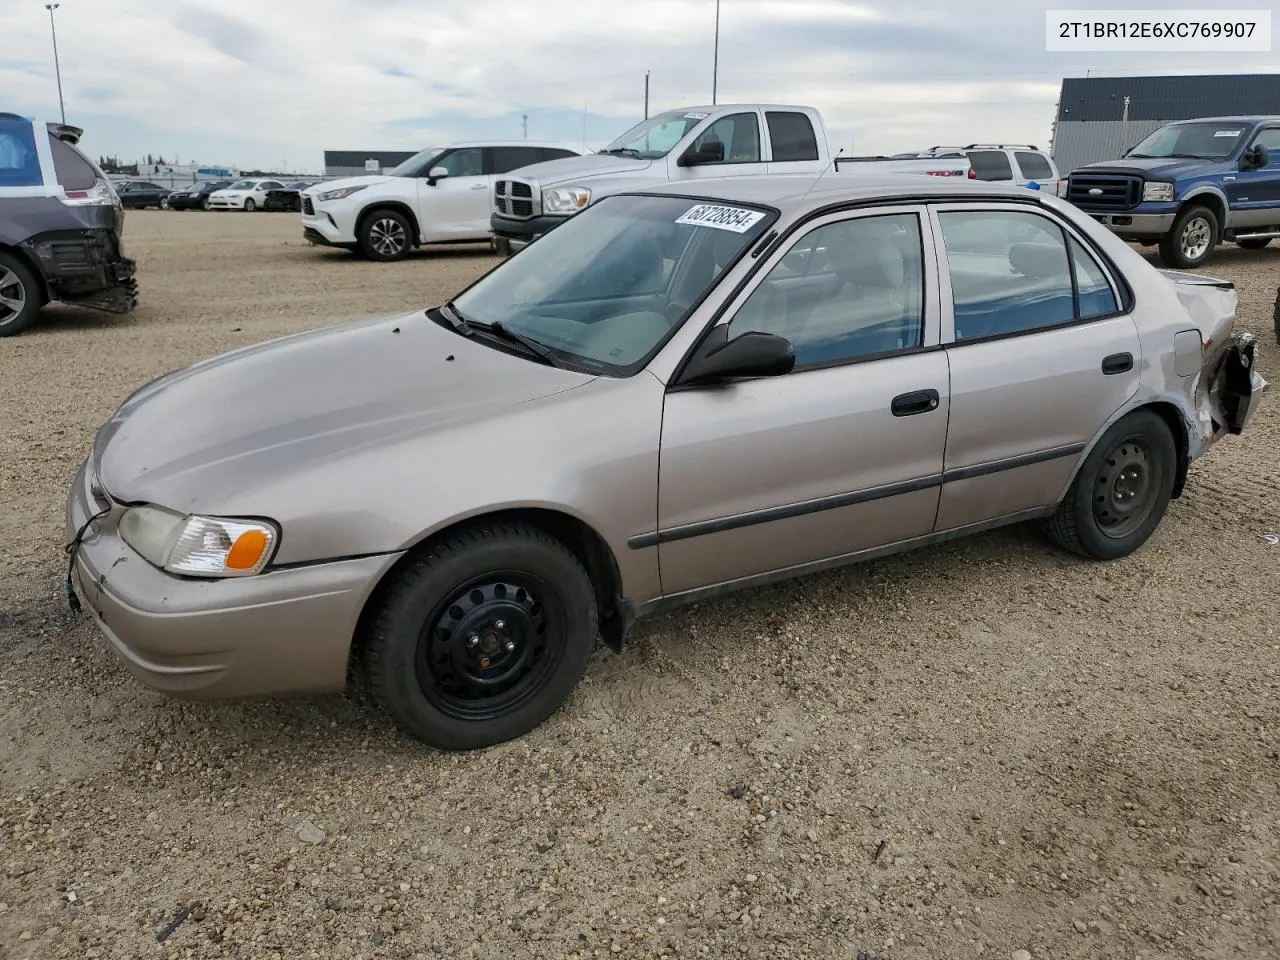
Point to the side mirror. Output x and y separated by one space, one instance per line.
709 150
752 354
1254 158
436 173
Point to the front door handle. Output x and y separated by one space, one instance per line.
1117 363
917 401
479 186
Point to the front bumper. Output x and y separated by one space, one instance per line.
1135 226
184 202
327 224
226 203
284 632
511 235
85 267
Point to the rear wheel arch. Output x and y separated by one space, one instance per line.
1177 425
25 258
579 537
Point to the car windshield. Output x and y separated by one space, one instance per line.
243 185
655 137
605 289
1201 141
416 164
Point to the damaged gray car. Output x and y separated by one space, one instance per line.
60 226
677 393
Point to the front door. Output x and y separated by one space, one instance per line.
455 207
739 134
1038 364
839 456
1254 195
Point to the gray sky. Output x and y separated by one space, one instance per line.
265 82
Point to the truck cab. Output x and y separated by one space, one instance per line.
1188 187
688 143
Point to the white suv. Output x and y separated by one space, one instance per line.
1024 164
439 195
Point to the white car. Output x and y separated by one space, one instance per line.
442 194
243 195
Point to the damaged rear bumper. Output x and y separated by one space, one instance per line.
86 267
1231 386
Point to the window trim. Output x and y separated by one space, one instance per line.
727 162
1125 303
779 248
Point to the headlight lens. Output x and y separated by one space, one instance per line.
565 199
196 546
1157 191
340 194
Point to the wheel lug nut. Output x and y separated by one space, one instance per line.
500 625
473 641
511 645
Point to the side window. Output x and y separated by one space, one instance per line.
1034 166
506 159
19 163
854 290
468 162
792 136
555 153
991 164
73 170
1093 291
1009 272
740 134
1269 139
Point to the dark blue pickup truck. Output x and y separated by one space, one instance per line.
1188 187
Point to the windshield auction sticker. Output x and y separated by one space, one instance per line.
722 218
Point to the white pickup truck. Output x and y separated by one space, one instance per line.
690 143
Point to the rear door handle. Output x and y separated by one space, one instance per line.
1117 363
917 401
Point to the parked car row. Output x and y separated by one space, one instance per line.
248 195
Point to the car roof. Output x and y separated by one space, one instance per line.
1256 118
810 190
517 142
730 107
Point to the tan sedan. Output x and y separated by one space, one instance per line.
672 395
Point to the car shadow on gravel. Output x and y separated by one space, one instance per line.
301 251
57 318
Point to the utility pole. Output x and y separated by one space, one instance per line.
646 94
524 123
56 66
715 57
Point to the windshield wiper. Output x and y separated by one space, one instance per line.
531 346
625 151
454 318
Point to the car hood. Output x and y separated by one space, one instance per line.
1158 168
195 438
574 169
366 181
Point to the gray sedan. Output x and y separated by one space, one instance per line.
675 394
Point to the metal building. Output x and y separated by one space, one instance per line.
1100 117
356 163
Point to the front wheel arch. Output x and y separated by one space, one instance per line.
396 206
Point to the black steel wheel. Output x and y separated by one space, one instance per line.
1121 492
479 638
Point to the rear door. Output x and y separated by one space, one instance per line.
1042 352
456 207
839 456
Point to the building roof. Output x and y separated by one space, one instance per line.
356 158
1162 99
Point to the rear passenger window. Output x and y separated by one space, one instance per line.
990 164
19 163
1009 272
1033 165
791 135
1097 299
73 170
846 291
506 159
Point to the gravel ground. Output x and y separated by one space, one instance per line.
980 750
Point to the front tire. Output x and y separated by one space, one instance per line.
384 235
164 203
250 206
204 204
20 296
1121 492
481 638
1253 243
1191 239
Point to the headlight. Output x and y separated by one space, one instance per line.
196 546
340 194
565 199
1157 191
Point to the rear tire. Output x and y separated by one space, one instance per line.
20 296
481 638
385 235
1191 239
1256 243
1121 492
204 204
250 206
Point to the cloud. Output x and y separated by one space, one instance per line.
254 83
